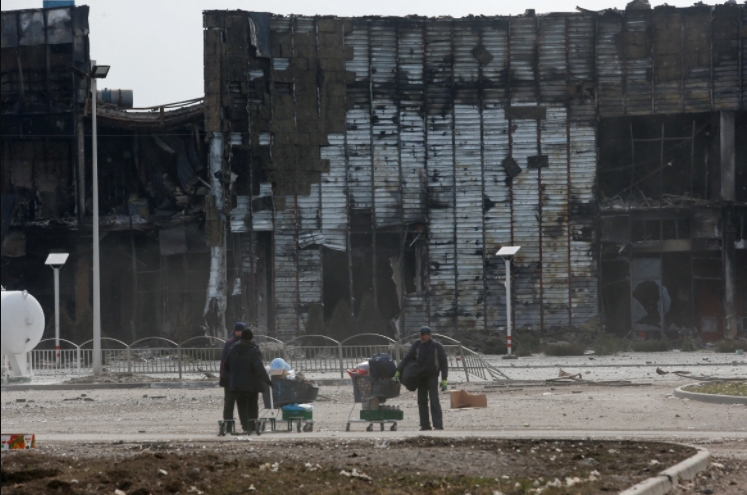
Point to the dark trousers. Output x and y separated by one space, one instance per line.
428 387
229 400
248 403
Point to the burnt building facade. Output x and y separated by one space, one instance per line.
383 161
351 175
154 258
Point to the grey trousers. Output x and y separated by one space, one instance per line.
428 388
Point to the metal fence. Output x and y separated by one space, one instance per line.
201 355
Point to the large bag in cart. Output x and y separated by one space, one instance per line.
382 367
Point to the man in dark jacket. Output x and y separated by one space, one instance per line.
431 358
248 377
228 399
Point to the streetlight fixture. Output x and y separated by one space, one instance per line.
508 253
100 71
97 72
55 261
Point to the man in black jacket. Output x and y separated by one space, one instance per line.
228 399
430 357
248 377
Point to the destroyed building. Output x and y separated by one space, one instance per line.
390 158
375 165
151 188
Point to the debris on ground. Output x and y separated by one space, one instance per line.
340 465
108 378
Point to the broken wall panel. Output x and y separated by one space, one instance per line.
468 176
497 219
358 119
609 63
696 66
410 118
385 166
440 162
554 218
725 55
638 65
667 60
334 207
286 272
583 270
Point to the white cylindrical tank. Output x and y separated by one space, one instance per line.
22 322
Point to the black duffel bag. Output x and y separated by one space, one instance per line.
382 367
413 373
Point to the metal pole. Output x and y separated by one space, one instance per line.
509 323
96 267
342 361
56 313
464 361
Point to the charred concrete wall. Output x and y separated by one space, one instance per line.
418 147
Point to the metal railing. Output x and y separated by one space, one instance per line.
202 355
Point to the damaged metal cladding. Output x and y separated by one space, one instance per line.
420 146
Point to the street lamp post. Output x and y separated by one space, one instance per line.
56 260
508 253
97 72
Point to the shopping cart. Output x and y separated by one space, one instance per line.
371 394
284 393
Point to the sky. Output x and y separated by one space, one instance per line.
155 46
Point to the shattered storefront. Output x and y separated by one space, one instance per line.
383 161
152 185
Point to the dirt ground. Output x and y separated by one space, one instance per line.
102 426
419 465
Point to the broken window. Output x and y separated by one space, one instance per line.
658 160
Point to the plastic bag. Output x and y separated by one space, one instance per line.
279 364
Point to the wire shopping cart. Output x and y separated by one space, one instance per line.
286 392
371 394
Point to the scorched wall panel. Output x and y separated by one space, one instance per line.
437 111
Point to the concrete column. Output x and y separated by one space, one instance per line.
217 286
728 158
728 195
81 134
730 275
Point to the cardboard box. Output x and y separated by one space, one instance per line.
461 399
280 373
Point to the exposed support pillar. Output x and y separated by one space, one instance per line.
730 275
81 135
728 195
215 305
728 157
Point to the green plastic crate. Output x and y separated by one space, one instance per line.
373 415
308 415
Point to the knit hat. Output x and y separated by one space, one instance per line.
425 330
239 326
247 335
